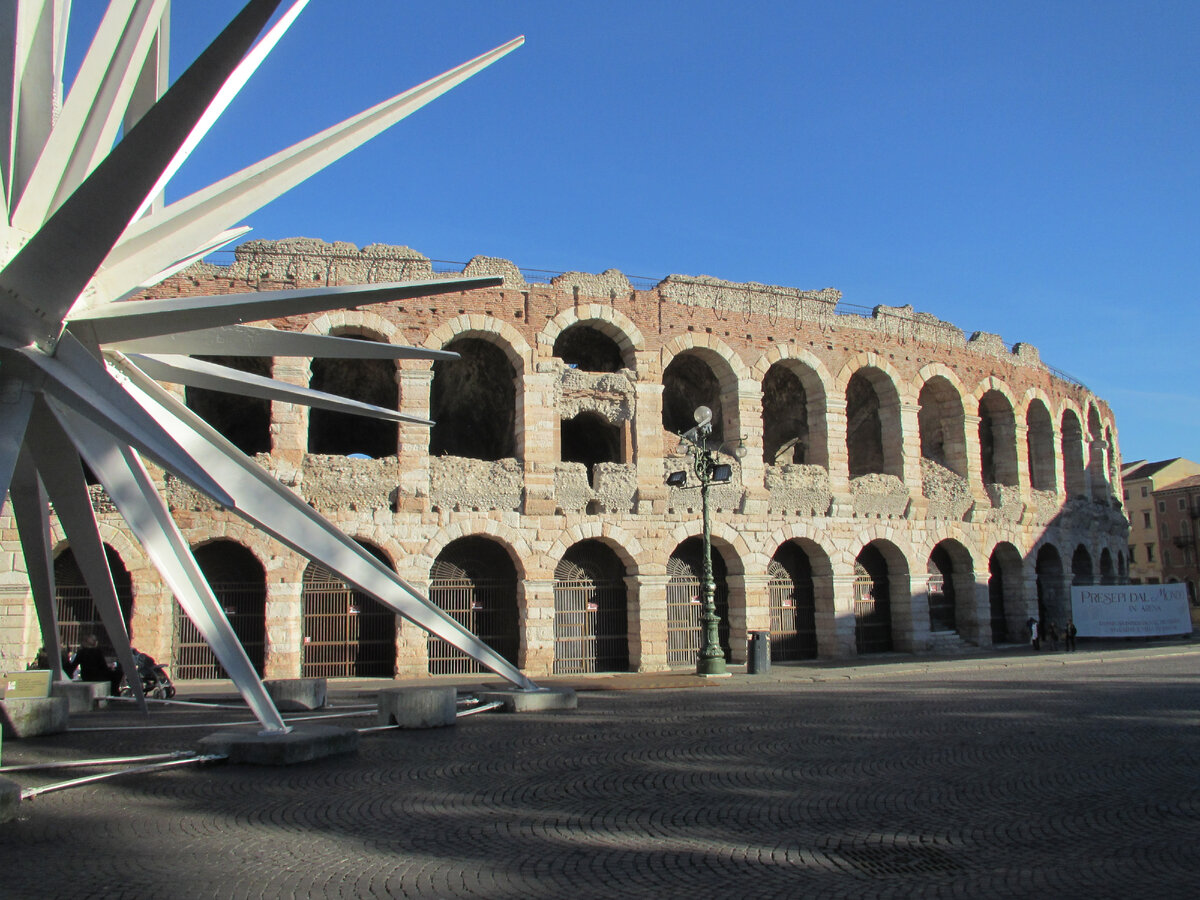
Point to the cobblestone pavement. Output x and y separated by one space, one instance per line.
994 780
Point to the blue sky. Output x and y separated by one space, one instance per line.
1025 168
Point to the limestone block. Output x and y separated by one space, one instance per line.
433 707
304 743
82 696
532 701
35 716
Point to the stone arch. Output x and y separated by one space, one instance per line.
474 580
997 434
941 419
685 585
813 380
1081 566
800 589
1039 441
347 633
874 436
238 580
608 321
628 548
242 420
1006 602
506 536
951 586
699 372
881 595
358 321
75 608
591 610
485 328
1053 597
1071 437
473 401
1107 573
367 380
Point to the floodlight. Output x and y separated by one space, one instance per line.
721 473
677 479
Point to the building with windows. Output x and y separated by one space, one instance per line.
1178 513
906 488
1140 479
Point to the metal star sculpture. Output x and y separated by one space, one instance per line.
84 228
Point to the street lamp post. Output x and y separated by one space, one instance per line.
711 658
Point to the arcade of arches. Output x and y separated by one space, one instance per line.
905 488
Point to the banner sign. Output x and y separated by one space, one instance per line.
1131 610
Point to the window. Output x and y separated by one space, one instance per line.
1145 490
1149 553
1146 519
1132 553
1183 502
1162 506
1125 494
1166 557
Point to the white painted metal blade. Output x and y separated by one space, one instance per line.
42 281
32 512
152 243
77 380
61 473
213 377
246 340
221 240
33 31
130 488
261 499
16 403
90 119
148 318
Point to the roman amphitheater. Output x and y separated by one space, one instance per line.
904 488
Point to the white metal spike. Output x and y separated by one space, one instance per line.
61 473
148 318
246 340
152 243
213 377
32 513
16 403
130 488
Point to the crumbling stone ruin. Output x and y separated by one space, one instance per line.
905 487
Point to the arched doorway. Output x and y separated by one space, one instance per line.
1004 592
472 401
474 581
591 631
793 605
347 634
1081 566
951 586
1107 574
242 420
366 380
77 614
874 580
239 583
1049 568
685 570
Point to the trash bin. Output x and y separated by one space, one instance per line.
758 661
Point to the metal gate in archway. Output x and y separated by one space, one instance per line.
347 634
245 607
872 617
77 613
590 620
684 607
486 607
793 617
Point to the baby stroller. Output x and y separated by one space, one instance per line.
156 684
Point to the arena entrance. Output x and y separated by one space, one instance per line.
685 569
239 583
591 630
77 614
347 634
793 605
474 581
873 583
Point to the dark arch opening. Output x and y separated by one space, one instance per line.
1072 454
872 602
239 583
472 402
588 349
1081 566
793 605
77 613
785 417
1050 595
873 412
942 593
347 634
1040 441
1004 590
366 380
591 629
997 439
689 382
589 439
474 581
940 420
685 570
243 421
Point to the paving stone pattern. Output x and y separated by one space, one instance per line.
1040 779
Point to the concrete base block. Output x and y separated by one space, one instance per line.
29 718
432 707
82 696
10 800
294 694
532 701
304 743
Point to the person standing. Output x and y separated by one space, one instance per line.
1034 638
1053 635
93 666
1069 634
